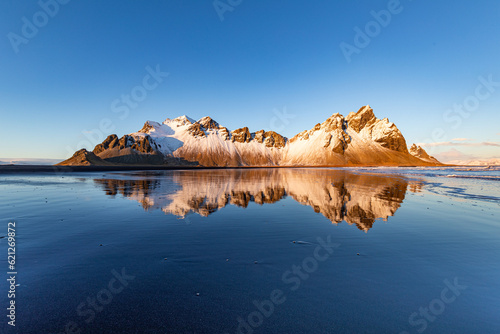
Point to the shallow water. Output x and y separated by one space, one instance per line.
254 251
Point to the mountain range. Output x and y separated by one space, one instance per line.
358 139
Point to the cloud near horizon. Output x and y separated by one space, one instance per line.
455 157
453 154
449 143
28 161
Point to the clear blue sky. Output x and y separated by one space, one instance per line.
264 56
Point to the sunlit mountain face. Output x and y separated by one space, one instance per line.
339 195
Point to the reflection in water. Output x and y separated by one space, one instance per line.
339 195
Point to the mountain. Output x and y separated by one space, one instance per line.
419 152
85 158
358 139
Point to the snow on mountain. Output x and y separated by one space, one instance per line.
210 144
360 138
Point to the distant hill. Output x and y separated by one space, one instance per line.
476 162
27 161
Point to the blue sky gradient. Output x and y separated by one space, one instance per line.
264 57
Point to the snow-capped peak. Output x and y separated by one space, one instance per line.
181 120
149 127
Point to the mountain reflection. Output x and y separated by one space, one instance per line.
339 195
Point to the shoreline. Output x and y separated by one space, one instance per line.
11 169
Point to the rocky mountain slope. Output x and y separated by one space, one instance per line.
358 139
419 152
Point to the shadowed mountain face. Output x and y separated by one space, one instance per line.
358 199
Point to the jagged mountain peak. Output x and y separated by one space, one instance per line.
203 126
362 118
415 148
208 123
149 127
334 122
419 152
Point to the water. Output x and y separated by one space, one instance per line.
254 251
